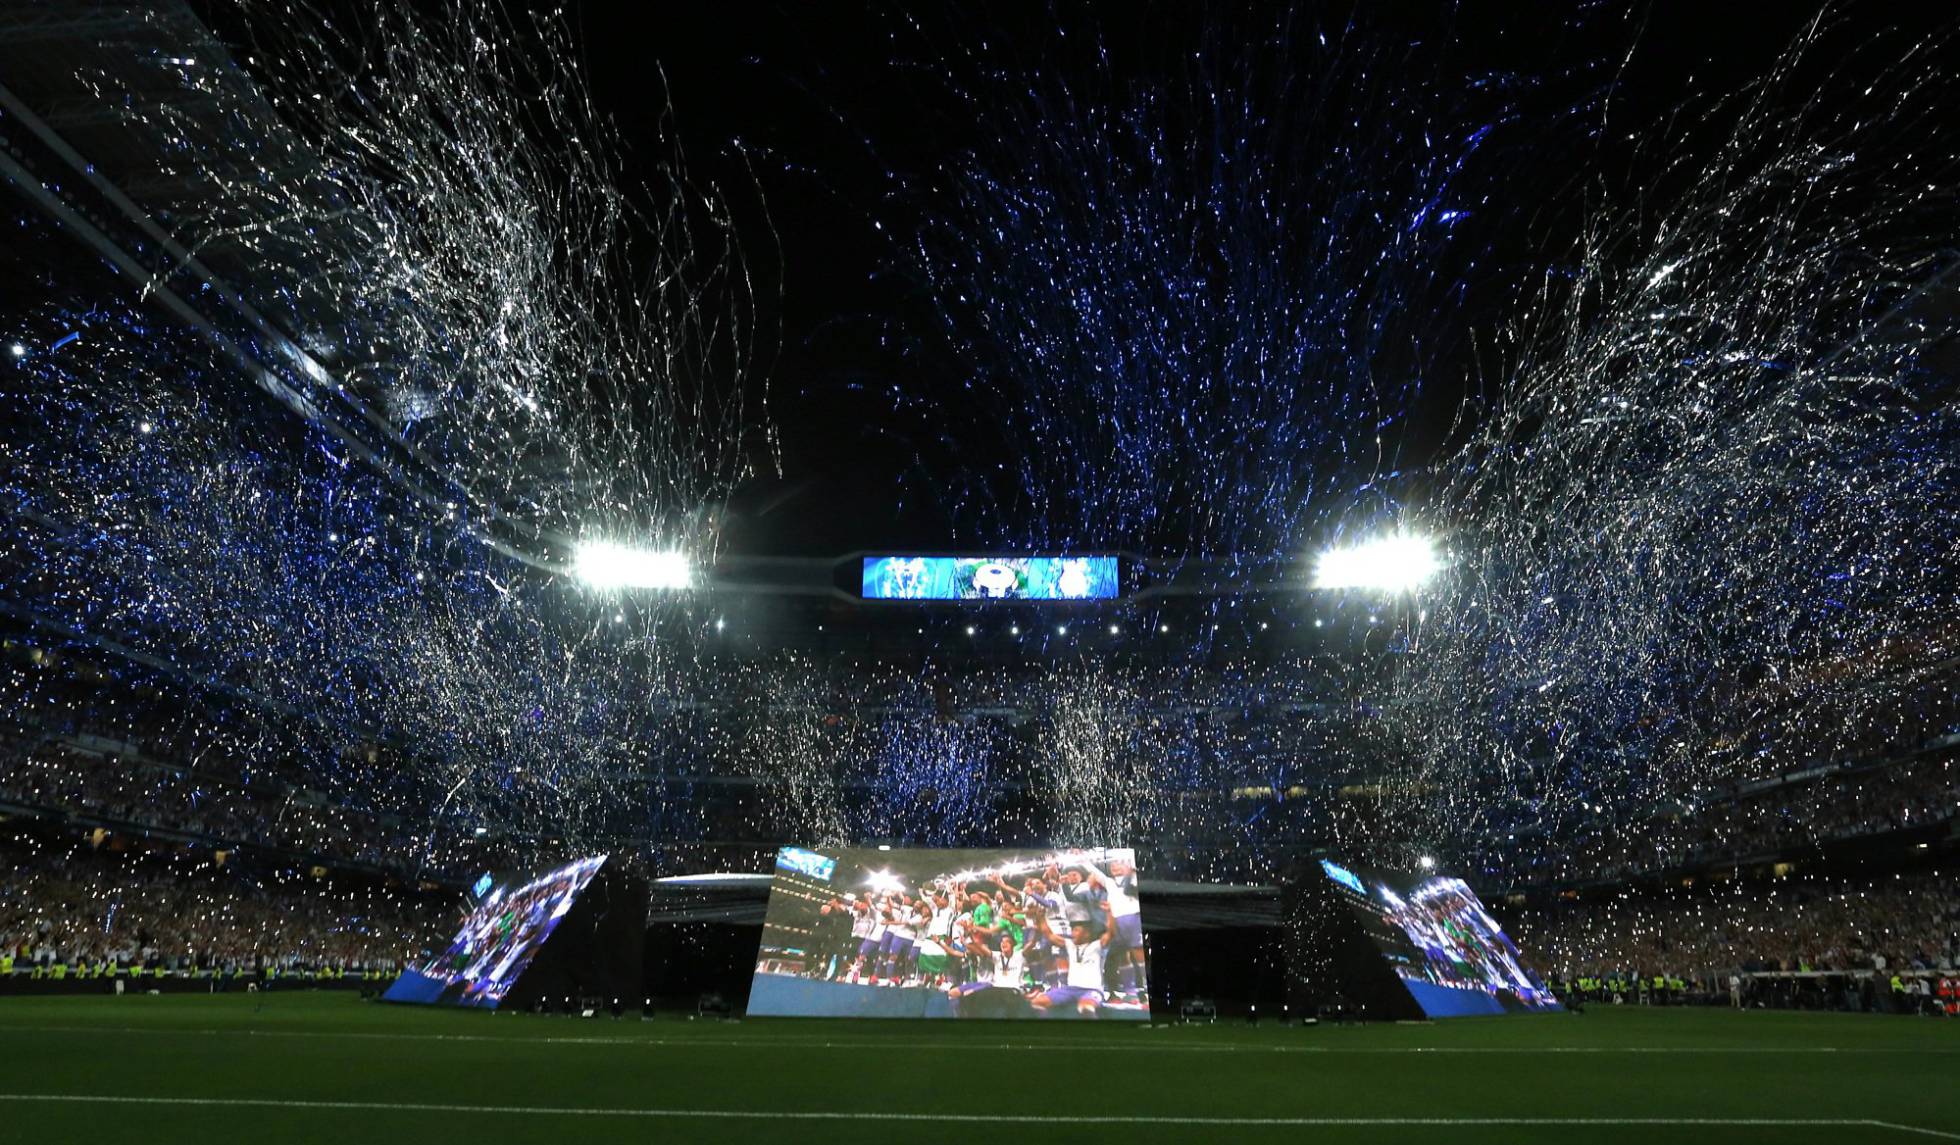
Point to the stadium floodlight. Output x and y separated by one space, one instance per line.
1397 563
605 564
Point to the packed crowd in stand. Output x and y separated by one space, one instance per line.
1897 923
1240 768
83 774
68 909
1919 790
72 754
270 813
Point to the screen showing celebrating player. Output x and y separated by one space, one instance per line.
498 940
1439 939
953 934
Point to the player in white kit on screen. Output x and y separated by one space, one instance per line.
1086 956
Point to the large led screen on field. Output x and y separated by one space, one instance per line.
501 936
990 578
1445 947
953 934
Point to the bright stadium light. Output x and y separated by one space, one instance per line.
604 564
1397 563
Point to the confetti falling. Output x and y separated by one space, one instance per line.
1711 482
1706 532
502 348
441 209
1197 304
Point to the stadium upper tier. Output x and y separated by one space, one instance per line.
1224 776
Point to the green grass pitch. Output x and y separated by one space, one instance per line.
327 1067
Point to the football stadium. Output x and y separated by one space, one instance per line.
1334 572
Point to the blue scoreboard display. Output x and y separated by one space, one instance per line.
805 863
990 578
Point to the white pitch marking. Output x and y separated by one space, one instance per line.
1074 1047
1919 1129
977 1118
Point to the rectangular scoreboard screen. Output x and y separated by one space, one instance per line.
990 578
860 933
1436 935
805 863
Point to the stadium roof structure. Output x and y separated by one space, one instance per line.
99 96
97 99
1173 904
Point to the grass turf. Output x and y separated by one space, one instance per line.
327 1067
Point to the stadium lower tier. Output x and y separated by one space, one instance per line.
72 910
1903 921
68 909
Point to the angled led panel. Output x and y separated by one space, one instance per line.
1434 934
502 935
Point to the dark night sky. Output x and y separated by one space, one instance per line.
829 99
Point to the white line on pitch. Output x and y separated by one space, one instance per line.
1033 1044
1919 1129
977 1118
